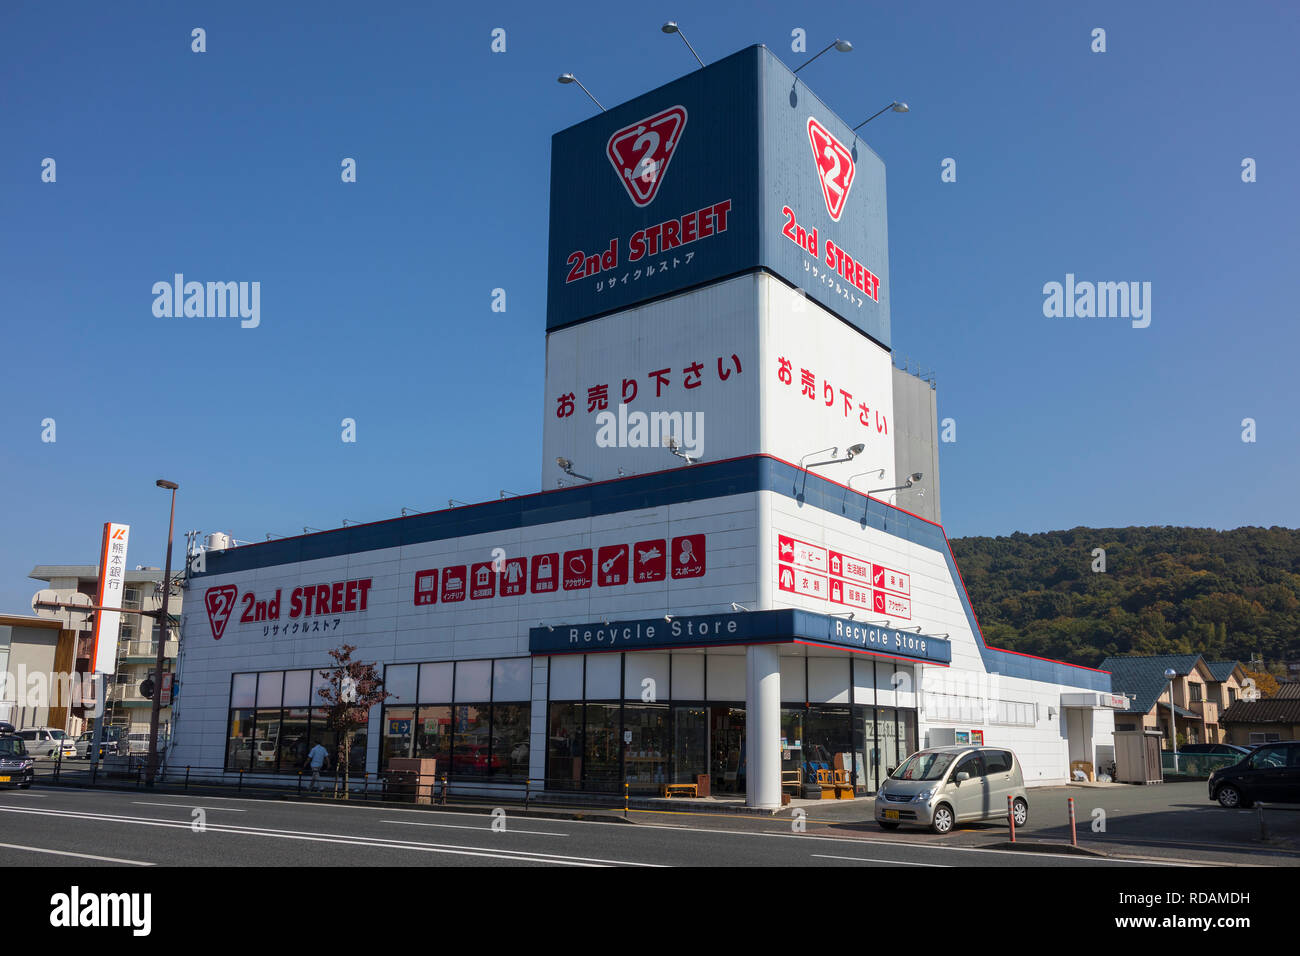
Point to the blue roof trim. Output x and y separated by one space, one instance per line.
676 486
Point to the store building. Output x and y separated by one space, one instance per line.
730 578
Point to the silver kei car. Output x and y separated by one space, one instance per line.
944 786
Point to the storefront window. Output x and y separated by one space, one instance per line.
511 725
433 735
564 746
266 740
239 740
792 743
604 745
828 744
646 757
323 734
727 759
691 743
471 741
293 740
398 733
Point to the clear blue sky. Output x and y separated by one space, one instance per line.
375 296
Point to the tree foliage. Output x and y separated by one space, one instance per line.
353 688
1228 595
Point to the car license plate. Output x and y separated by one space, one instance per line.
4 779
891 814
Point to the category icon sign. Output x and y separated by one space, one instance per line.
219 601
834 167
640 153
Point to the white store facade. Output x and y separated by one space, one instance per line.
738 618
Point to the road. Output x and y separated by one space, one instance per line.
71 827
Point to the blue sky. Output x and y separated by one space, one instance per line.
1123 165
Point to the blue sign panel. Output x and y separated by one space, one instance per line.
757 627
733 167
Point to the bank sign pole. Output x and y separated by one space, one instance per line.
108 603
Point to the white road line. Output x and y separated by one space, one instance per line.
453 826
84 856
682 828
516 856
186 806
859 859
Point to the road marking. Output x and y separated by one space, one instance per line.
453 826
84 856
186 806
859 859
514 856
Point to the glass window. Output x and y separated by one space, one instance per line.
435 682
511 726
1195 691
828 746
473 681
297 689
566 677
691 736
239 739
266 740
323 734
564 746
433 735
243 690
906 734
997 761
293 739
399 680
792 742
398 733
647 754
471 740
604 676
270 687
512 679
604 746
320 680
972 765
926 765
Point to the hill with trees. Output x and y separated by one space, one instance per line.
1164 590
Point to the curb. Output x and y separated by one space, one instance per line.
1027 846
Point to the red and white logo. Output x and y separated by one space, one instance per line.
219 601
834 167
640 153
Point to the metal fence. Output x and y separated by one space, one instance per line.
1196 766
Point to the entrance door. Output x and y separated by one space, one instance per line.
727 743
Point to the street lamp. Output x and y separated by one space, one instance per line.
570 78
163 630
1170 674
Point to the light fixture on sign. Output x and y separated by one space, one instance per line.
853 451
672 27
738 607
834 450
911 480
566 466
672 446
896 106
570 78
843 46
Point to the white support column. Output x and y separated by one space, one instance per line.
763 726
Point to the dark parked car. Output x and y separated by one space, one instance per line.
1269 774
16 768
1217 750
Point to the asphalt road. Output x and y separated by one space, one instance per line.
70 827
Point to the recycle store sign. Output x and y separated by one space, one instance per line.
732 167
786 625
